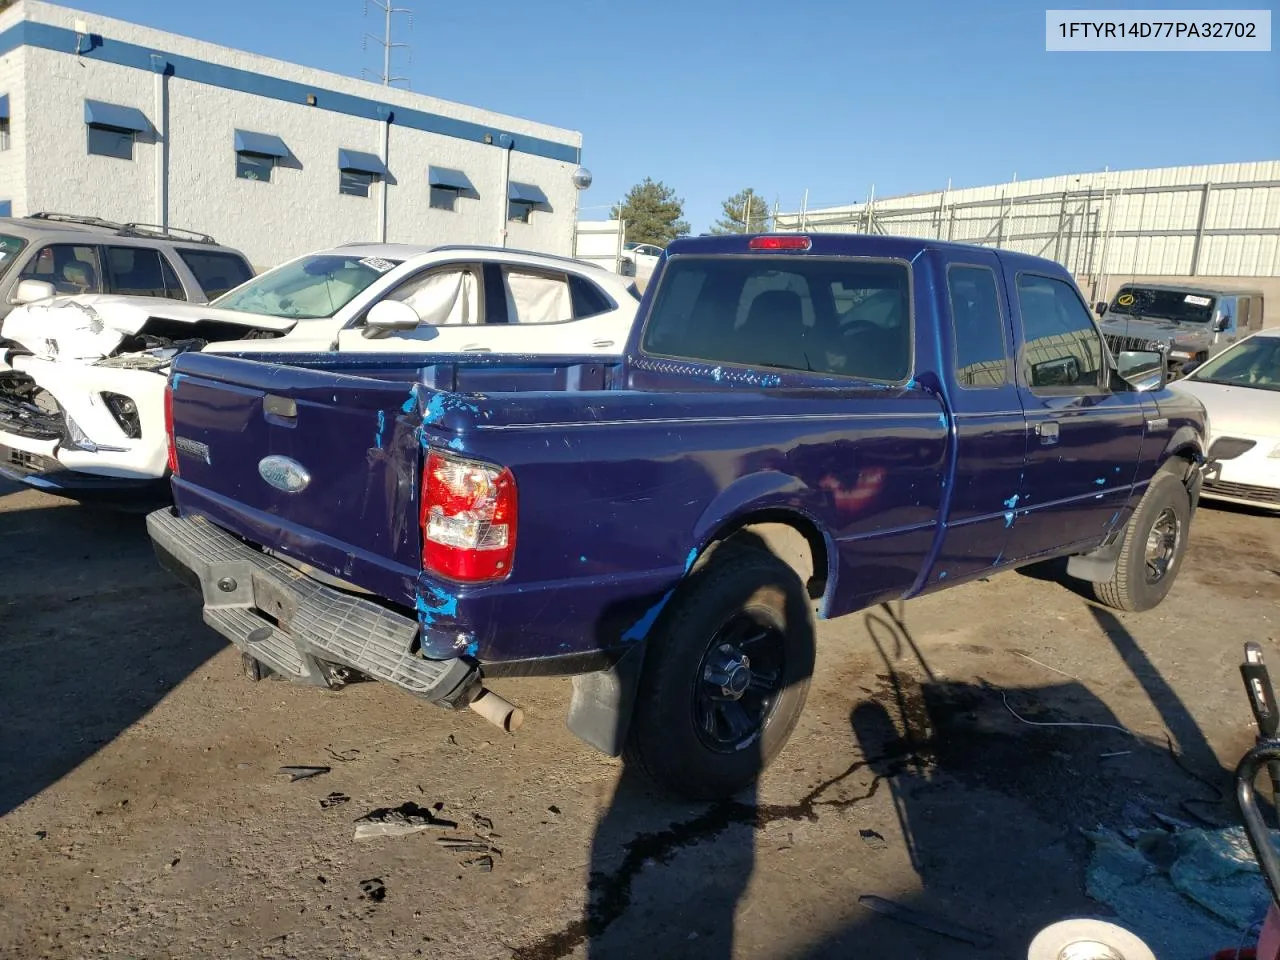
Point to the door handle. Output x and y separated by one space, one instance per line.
1047 431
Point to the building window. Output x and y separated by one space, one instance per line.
111 142
523 199
443 198
251 166
356 183
4 133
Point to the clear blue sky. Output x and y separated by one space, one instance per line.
710 96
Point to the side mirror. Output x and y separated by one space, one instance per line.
1221 324
387 316
1100 307
1142 369
29 291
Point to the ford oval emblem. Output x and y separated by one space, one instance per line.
284 474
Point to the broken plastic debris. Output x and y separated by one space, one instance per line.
459 845
483 864
398 822
873 838
333 799
925 922
296 773
373 889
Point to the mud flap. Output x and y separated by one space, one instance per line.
603 701
1100 565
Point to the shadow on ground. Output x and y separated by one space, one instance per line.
93 634
992 788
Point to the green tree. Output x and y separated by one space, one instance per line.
652 212
745 212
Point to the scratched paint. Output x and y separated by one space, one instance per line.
435 409
1101 481
456 444
473 648
1008 519
436 603
942 575
640 629
999 557
1012 502
382 428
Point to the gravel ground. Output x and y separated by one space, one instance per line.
142 815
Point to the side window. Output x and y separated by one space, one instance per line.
1243 318
536 297
588 301
140 272
1063 348
443 297
980 358
71 268
215 271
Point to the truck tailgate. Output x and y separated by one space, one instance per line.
322 467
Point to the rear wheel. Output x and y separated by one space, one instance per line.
1155 542
725 679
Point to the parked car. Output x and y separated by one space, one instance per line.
81 406
1189 323
48 254
1240 390
829 420
639 259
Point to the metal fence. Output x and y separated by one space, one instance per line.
1116 224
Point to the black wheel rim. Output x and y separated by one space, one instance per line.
739 681
1162 544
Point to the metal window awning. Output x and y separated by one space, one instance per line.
449 179
4 107
99 114
260 144
527 193
355 161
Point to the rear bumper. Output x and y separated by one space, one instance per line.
297 626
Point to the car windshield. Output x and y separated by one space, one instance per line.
10 247
1163 304
307 289
1252 363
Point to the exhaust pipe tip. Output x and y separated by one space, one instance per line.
498 710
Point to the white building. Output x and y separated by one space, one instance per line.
111 119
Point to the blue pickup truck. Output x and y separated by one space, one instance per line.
801 426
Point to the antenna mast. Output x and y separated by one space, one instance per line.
389 10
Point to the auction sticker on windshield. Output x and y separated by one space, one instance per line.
1125 299
377 263
1199 301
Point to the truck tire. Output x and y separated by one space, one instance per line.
1155 541
725 678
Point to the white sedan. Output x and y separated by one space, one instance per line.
82 378
1240 390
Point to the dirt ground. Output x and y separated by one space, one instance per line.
142 815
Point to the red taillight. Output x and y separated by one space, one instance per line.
468 518
168 428
787 242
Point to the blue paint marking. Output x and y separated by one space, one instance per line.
412 401
473 648
582 559
1117 469
942 575
1101 481
435 409
688 561
456 444
999 557
440 604
942 420
1012 502
382 427
640 629
910 384
1008 520
772 381
62 40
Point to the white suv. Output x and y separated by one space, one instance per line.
82 392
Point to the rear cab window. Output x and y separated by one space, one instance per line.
844 317
216 271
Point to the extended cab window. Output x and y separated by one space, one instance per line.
979 327
1063 348
844 317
